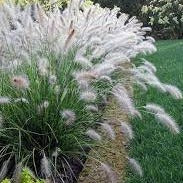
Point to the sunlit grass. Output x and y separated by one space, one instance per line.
159 152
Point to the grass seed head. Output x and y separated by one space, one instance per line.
127 131
111 175
174 91
69 116
88 96
20 82
93 135
134 164
5 100
154 108
45 167
168 121
109 130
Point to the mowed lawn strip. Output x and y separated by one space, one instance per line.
159 152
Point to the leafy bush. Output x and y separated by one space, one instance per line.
25 176
165 16
6 181
57 71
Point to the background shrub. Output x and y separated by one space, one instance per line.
165 17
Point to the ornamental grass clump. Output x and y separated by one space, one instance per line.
57 70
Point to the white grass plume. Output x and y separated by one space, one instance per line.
1 120
4 169
136 113
134 164
83 61
93 135
43 106
5 100
154 108
43 66
92 108
149 65
17 173
106 78
20 82
23 100
52 79
45 167
141 85
123 99
168 121
111 176
57 89
85 75
88 96
69 116
109 130
126 129
174 91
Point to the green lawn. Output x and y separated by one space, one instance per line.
159 152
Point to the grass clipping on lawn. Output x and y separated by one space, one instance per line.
112 152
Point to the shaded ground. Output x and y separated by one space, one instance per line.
159 152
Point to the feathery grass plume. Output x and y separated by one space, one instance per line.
145 75
88 96
134 164
52 79
92 108
136 113
127 131
45 167
4 169
83 85
57 89
43 66
141 85
151 39
17 173
93 135
5 100
149 65
146 69
174 91
106 78
111 175
23 100
83 61
109 130
84 76
116 58
20 82
69 39
154 108
168 121
125 102
56 152
158 85
104 69
1 120
43 106
69 116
